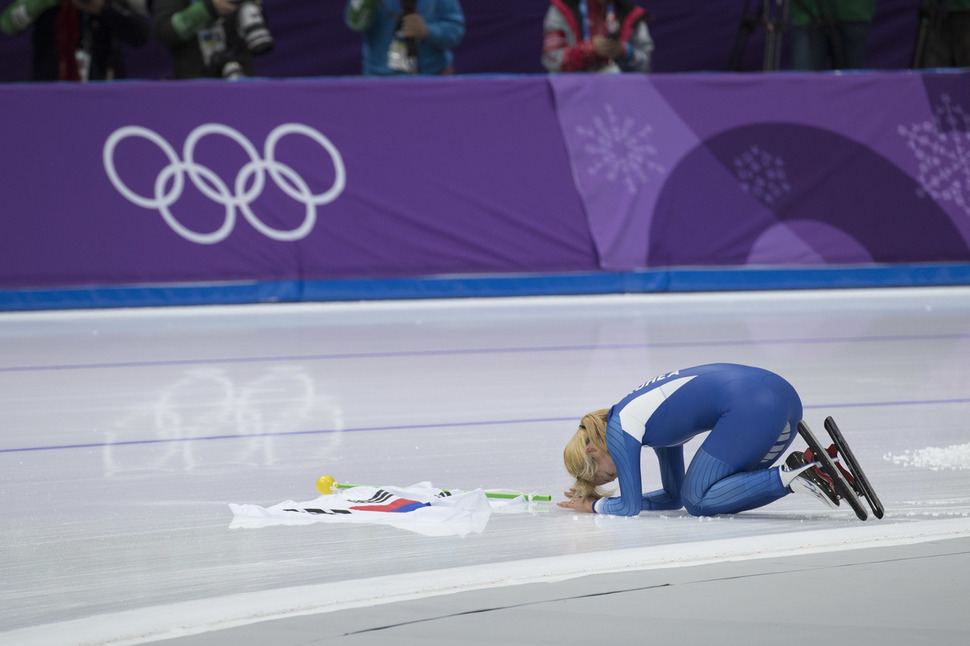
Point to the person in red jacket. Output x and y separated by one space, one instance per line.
78 40
596 36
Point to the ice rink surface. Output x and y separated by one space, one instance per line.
126 434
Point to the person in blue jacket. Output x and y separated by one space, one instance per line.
403 37
752 415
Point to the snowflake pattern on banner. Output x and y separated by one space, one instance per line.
942 150
621 149
762 175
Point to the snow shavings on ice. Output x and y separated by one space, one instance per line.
936 458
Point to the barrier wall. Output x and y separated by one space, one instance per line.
146 193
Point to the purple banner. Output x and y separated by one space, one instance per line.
276 180
786 170
624 140
202 182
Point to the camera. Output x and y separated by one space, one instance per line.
251 25
232 70
225 65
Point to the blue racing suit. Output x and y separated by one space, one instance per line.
752 416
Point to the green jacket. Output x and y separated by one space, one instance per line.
953 5
806 12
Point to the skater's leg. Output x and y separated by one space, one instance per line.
731 470
714 487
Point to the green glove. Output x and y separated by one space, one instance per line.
21 14
359 14
188 21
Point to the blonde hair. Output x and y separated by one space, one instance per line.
579 463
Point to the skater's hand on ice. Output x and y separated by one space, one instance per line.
576 503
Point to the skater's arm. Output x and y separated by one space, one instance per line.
625 451
671 461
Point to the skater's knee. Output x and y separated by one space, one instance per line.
704 472
694 505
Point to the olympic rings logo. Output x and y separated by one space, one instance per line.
211 185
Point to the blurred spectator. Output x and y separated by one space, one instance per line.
407 36
830 34
78 40
596 36
211 38
944 36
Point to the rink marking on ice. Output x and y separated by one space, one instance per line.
220 613
404 354
412 427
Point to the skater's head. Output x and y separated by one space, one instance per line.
587 457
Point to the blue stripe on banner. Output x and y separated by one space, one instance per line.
475 285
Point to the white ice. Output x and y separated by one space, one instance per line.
126 434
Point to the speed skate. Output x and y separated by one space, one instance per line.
839 464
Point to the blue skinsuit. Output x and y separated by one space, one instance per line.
752 416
